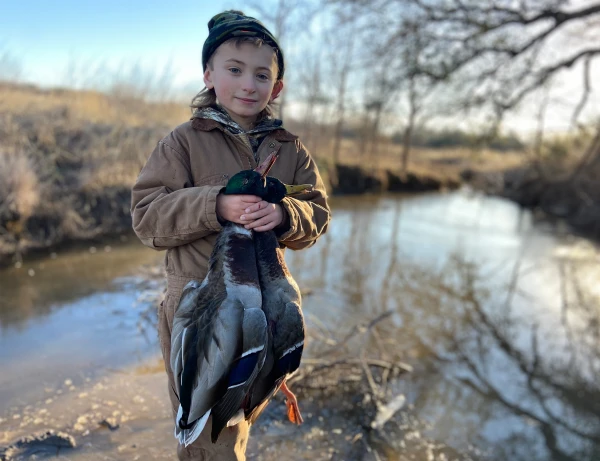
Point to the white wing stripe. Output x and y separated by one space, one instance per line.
293 348
253 350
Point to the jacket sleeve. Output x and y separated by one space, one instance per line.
166 209
308 214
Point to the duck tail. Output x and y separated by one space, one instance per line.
241 377
189 435
226 410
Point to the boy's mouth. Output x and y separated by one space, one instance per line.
248 101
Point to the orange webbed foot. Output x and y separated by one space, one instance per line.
293 411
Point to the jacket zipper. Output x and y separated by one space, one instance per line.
247 149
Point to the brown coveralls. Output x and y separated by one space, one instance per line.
174 209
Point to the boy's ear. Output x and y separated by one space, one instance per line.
208 79
276 90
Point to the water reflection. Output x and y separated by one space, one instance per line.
500 318
33 290
71 317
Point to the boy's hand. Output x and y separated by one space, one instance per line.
232 207
262 216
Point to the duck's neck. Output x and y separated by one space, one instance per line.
270 259
238 256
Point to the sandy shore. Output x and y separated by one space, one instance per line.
125 416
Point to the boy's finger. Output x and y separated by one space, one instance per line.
255 215
259 222
257 206
266 227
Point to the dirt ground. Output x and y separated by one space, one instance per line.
125 416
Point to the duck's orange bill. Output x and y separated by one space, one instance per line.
267 164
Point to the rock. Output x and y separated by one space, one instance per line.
110 423
31 447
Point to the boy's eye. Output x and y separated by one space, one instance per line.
234 70
263 77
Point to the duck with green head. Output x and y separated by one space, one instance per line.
220 336
282 303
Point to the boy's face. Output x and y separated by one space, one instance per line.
244 80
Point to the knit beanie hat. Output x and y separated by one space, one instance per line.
233 24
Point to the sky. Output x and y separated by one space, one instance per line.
47 35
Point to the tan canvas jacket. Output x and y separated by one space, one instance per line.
174 197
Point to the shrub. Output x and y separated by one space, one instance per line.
19 190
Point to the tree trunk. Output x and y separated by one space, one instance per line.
591 156
406 144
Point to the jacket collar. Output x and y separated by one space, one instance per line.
207 124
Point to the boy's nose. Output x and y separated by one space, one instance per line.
249 85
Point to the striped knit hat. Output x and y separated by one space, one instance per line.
232 24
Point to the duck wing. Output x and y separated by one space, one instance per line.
187 303
288 339
206 339
284 356
243 373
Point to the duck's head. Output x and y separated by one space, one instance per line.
256 182
247 182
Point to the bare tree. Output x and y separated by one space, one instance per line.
491 55
414 105
283 16
418 87
341 46
499 51
313 98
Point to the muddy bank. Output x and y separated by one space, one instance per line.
90 216
64 179
575 201
352 180
126 415
74 211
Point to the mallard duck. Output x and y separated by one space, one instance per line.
219 337
282 302
282 307
220 332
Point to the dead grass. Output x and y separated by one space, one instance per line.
99 108
91 106
19 189
442 164
68 162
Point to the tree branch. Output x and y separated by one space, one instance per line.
586 90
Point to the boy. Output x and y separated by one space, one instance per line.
176 201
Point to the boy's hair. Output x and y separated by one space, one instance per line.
207 97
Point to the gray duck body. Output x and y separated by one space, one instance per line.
281 303
219 337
